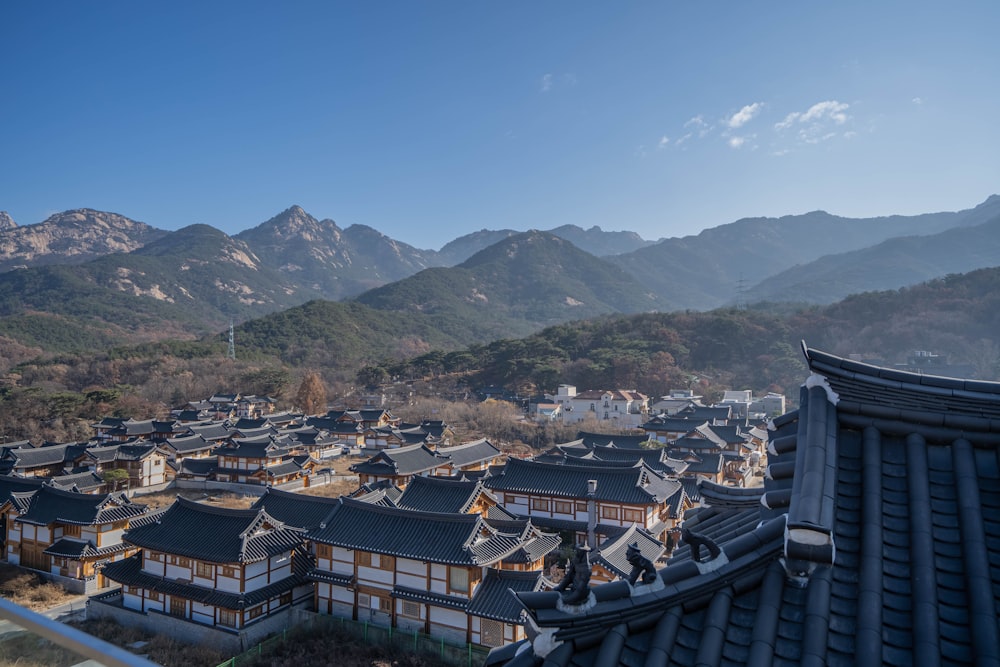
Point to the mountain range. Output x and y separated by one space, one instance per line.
87 277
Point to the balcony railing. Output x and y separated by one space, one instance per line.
70 638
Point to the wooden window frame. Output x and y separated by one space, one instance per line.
204 570
633 515
563 507
609 512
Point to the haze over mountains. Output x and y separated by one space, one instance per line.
118 279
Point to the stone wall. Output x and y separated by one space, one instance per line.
227 641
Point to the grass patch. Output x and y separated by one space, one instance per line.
29 589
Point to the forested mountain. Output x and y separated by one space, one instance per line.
706 271
153 285
891 264
957 316
186 283
514 287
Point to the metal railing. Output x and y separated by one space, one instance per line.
70 638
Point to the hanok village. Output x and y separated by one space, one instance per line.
861 528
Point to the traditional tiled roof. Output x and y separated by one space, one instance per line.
189 443
295 509
657 459
705 413
36 457
456 539
85 481
212 432
128 572
72 547
199 467
672 424
620 441
469 453
612 552
402 461
50 505
732 497
440 494
9 484
702 462
424 595
535 543
878 543
495 596
632 485
216 534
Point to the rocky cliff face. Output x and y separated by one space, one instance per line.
336 262
71 237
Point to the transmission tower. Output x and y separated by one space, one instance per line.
232 342
741 297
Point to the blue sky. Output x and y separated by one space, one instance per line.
429 120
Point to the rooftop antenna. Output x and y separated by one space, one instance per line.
232 342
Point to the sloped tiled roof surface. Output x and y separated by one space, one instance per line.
495 597
295 509
612 552
10 484
456 539
879 545
440 494
190 443
402 461
478 451
621 441
49 505
215 534
634 484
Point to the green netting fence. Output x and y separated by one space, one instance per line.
403 641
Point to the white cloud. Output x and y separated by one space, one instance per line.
683 138
736 142
744 115
818 123
697 121
664 142
546 83
918 101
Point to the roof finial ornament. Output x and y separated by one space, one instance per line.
697 541
575 584
641 566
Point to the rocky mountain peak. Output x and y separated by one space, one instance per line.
6 222
71 237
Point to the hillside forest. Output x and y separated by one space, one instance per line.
55 396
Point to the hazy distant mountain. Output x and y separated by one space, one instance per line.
595 240
705 271
464 247
598 242
335 262
892 264
517 285
70 237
